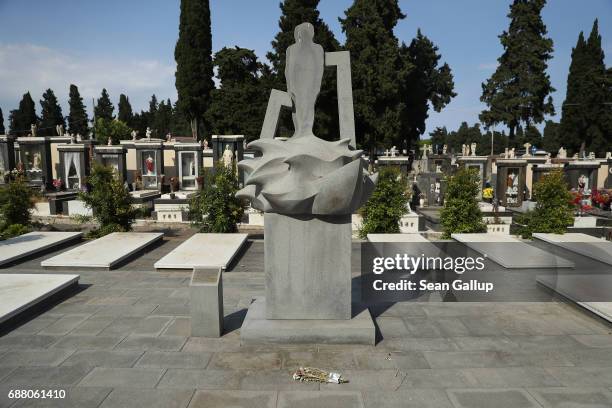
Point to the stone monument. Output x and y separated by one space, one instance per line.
307 188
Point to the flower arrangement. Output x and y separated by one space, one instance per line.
58 184
602 198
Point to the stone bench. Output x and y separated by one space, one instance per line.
206 293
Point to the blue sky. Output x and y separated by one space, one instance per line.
128 46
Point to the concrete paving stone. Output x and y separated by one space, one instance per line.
120 325
161 300
438 309
212 344
112 300
382 360
47 376
484 398
5 371
201 379
73 307
467 359
273 380
164 343
20 341
418 344
450 326
28 358
537 343
594 340
146 292
482 326
173 359
520 377
180 326
599 357
77 397
328 360
88 342
245 361
125 310
414 398
36 324
138 398
122 377
572 397
392 327
484 343
234 399
436 378
422 327
103 358
540 358
408 360
400 309
306 399
582 376
151 325
173 310
93 326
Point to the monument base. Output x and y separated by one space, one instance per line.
256 329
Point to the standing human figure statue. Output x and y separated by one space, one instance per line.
205 144
512 153
444 149
134 134
562 154
148 133
473 149
33 129
304 72
228 157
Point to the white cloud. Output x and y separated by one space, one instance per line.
34 68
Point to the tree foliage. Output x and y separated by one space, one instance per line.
387 204
114 129
378 70
467 134
427 84
16 201
51 114
551 141
239 104
194 66
125 113
77 118
553 212
519 89
585 115
461 213
104 108
2 130
21 119
216 208
293 13
109 200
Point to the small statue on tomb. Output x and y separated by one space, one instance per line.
134 134
473 149
150 165
444 149
148 133
33 129
228 157
562 154
205 144
110 141
393 151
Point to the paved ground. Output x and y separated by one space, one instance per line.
123 341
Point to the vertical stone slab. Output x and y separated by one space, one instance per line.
308 266
206 294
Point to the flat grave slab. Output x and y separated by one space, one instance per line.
511 252
591 292
22 291
104 252
203 251
582 244
31 243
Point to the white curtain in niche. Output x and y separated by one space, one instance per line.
72 158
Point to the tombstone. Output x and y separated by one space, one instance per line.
73 165
236 145
150 163
482 164
114 157
7 155
307 212
35 157
582 177
511 176
188 162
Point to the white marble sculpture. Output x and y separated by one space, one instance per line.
33 129
305 174
591 155
444 149
512 153
228 157
608 155
148 133
562 154
79 138
134 134
60 130
506 152
547 158
473 149
527 146
205 144
393 151
110 142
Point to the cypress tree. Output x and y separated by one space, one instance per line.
104 107
2 130
427 84
294 13
51 114
163 118
124 108
377 69
519 90
194 66
24 117
77 119
550 137
239 104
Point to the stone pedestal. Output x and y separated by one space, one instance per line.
308 267
206 294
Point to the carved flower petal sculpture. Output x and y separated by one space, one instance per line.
306 175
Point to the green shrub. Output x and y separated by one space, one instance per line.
115 129
387 204
553 212
216 208
109 201
13 230
16 201
461 213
